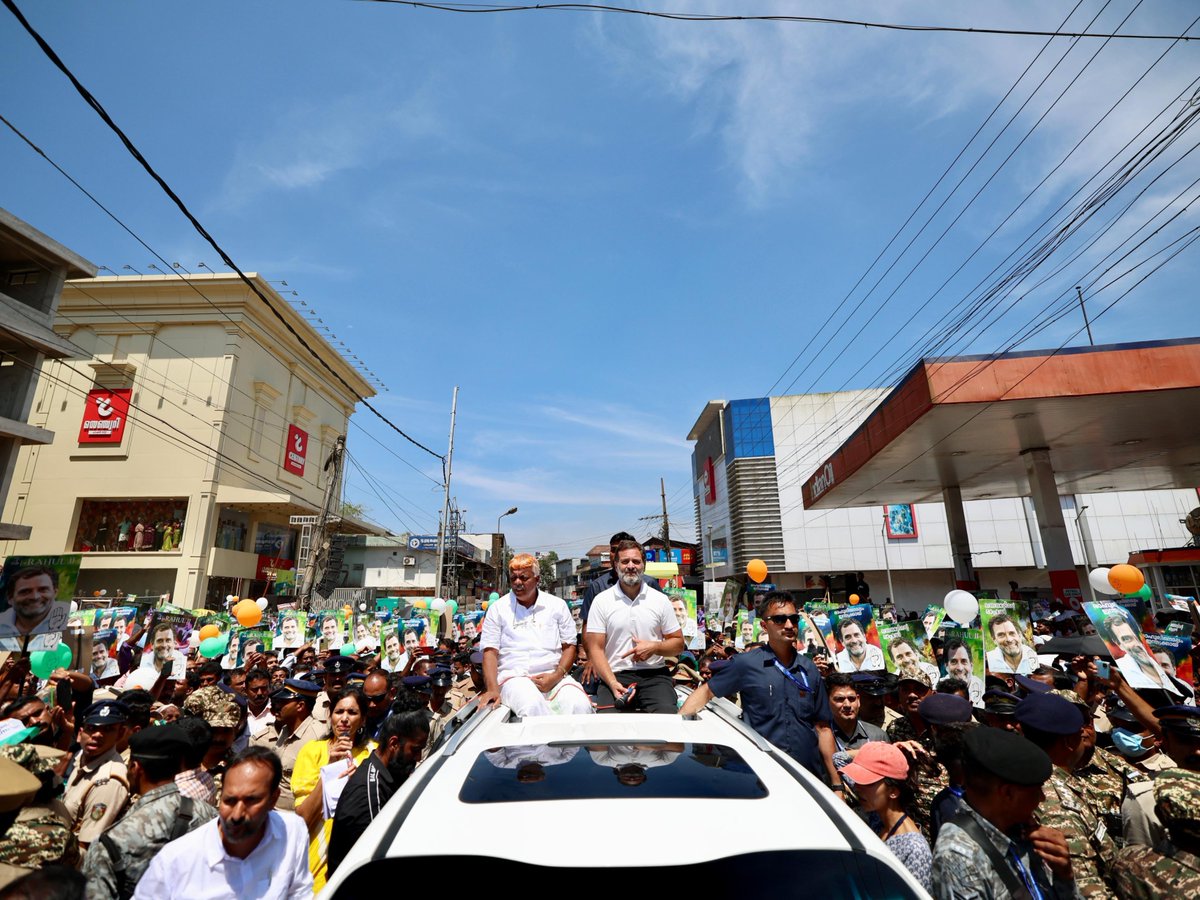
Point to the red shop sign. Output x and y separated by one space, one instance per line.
104 415
296 451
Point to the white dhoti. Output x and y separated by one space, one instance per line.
567 698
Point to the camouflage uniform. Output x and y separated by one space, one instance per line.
40 835
1103 781
115 863
219 710
1141 872
1092 850
930 779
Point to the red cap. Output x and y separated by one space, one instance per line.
876 760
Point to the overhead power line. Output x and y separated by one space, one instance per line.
725 17
99 109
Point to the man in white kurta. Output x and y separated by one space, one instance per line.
528 644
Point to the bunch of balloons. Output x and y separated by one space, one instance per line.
1121 579
249 612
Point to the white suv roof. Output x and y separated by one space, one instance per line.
706 770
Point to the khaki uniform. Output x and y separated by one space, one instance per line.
437 722
322 709
287 745
1092 849
462 693
96 794
1139 821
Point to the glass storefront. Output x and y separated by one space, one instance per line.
130 525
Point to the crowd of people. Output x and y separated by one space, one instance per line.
257 781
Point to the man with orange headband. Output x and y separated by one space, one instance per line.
528 644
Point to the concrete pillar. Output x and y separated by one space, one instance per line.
960 546
1064 579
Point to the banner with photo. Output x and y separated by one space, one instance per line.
1116 625
1173 652
331 629
816 631
367 629
291 630
683 601
962 658
1007 637
181 620
932 618
253 640
729 598
856 638
35 600
906 650
393 658
747 629
104 655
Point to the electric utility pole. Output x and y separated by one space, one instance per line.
437 592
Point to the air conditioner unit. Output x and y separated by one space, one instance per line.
410 560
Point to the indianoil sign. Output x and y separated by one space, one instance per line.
104 415
296 451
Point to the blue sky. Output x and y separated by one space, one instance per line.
591 223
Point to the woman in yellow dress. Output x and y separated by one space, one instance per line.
348 743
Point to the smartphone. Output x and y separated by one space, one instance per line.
1103 669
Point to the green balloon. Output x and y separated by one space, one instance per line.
63 652
43 662
213 647
1144 593
348 650
493 596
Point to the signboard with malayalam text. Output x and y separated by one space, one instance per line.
296 451
104 416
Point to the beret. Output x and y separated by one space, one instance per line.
1007 756
161 742
944 709
1050 714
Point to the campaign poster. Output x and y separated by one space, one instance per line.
366 632
816 633
906 650
182 621
1007 637
746 629
253 640
472 623
962 658
291 629
223 621
856 638
684 603
933 618
161 648
1116 626
331 629
393 648
414 634
35 600
386 608
729 598
1173 652
82 618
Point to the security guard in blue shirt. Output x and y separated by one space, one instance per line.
783 695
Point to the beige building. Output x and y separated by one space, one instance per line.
193 428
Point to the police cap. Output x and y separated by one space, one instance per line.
1007 756
1180 719
1032 685
944 709
1050 714
106 712
1000 703
440 677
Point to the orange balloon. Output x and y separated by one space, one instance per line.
1126 579
248 614
95 593
757 570
854 598
209 631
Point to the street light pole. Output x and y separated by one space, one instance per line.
500 563
886 562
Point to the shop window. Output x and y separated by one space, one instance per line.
232 531
130 525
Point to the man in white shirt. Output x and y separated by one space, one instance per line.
249 850
630 628
528 646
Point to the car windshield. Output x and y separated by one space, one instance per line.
588 771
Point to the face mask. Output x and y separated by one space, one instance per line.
1127 742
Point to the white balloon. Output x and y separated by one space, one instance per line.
961 606
262 602
104 592
1098 579
438 605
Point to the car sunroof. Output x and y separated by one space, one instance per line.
605 770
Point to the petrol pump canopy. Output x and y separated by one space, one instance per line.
1120 417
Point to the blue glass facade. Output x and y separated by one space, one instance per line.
748 429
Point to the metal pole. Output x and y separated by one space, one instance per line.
1086 323
501 569
437 591
886 562
1087 557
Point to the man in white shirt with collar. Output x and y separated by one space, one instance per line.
248 851
528 644
630 628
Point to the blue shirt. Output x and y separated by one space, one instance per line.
775 706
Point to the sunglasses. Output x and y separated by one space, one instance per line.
780 619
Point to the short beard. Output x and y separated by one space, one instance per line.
631 580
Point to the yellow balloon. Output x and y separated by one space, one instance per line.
757 570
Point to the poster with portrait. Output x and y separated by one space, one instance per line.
291 630
816 633
962 658
414 632
746 629
900 520
932 619
35 600
1007 637
387 608
104 655
906 650
683 602
181 620
392 653
253 640
161 649
82 618
366 632
331 629
1116 625
1173 652
729 596
856 639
